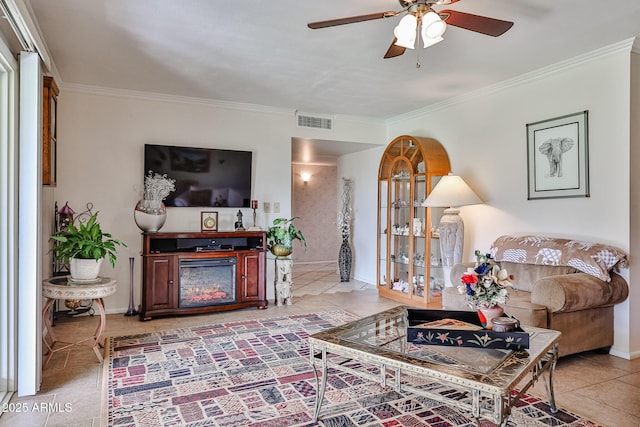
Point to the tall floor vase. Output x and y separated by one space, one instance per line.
344 260
132 309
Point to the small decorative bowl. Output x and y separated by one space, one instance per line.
504 324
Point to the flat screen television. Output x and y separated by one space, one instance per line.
205 177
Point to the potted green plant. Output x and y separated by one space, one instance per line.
83 247
280 237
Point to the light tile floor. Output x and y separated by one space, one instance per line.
602 387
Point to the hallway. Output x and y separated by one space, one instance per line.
319 278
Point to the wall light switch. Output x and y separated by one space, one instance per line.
276 207
267 207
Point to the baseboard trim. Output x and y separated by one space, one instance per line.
624 354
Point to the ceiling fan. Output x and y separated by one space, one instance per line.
422 21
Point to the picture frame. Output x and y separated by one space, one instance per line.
208 221
558 157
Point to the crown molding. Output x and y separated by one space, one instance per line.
161 97
213 103
628 45
635 48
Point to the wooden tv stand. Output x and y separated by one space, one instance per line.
162 254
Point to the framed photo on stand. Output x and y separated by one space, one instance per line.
558 157
208 221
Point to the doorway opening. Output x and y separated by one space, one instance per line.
316 192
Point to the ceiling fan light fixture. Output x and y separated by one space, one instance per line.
405 32
432 26
431 42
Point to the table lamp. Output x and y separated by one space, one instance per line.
451 192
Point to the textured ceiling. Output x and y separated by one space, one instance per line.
261 52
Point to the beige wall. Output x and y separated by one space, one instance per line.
315 202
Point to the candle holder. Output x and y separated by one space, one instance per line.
254 206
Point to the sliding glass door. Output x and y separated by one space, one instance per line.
8 225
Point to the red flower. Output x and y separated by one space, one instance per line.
469 279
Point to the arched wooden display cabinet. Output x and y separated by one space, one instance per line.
409 261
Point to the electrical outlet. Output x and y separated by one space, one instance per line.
276 207
267 207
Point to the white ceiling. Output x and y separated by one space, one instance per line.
262 52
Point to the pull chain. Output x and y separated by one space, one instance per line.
418 29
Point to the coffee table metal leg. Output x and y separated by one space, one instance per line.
320 384
548 385
502 409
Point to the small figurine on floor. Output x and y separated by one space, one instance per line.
238 225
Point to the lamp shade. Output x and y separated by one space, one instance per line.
431 42
405 32
451 191
432 26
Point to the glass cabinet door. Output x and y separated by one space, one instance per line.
409 261
383 226
401 219
434 257
419 233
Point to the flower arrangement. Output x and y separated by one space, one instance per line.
156 188
485 285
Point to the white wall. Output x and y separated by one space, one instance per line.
485 137
100 160
362 168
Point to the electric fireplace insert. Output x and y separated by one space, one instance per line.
207 281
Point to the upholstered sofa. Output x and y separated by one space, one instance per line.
567 285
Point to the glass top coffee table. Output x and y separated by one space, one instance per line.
487 377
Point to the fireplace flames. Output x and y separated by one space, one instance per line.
203 295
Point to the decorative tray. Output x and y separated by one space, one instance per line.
459 329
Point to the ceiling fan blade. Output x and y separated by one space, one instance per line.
394 50
350 20
479 24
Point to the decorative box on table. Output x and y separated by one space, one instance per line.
418 333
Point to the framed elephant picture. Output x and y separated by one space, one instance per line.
558 157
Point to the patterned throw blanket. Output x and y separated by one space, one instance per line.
592 258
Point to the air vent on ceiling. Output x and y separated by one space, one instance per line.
306 121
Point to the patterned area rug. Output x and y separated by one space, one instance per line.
257 373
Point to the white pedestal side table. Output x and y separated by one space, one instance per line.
284 281
62 288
